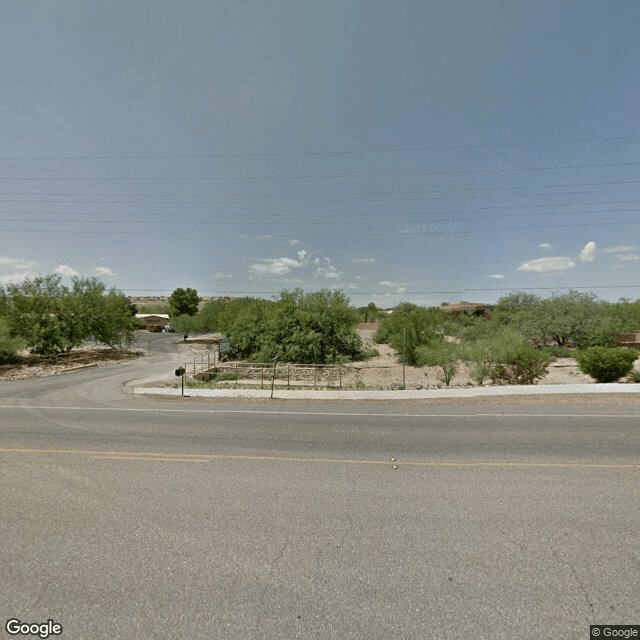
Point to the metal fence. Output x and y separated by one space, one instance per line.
298 375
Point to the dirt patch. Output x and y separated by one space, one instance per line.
31 365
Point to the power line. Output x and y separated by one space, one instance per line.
404 234
388 174
277 154
626 206
219 293
319 193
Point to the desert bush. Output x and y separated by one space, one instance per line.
507 357
370 313
444 355
481 373
606 364
185 324
557 352
8 345
521 365
409 327
226 376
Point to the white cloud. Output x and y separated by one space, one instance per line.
16 263
104 271
21 270
364 260
545 246
588 253
548 265
16 278
219 275
401 290
268 236
329 271
386 283
66 271
498 276
629 257
293 242
277 266
621 248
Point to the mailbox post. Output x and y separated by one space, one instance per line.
180 371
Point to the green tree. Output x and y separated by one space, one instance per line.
369 313
183 301
563 318
316 328
51 318
185 324
410 326
34 313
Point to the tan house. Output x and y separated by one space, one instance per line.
475 308
155 322
631 339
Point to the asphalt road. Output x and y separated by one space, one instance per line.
127 517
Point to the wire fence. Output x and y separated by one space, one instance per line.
347 376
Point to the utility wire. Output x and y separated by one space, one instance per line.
277 154
319 193
382 174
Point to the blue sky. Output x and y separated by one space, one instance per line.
409 150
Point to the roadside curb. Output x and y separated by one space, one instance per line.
472 392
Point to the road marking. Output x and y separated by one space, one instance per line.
197 457
328 413
154 459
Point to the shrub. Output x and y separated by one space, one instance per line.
409 327
444 355
606 364
556 352
481 373
226 376
635 376
523 365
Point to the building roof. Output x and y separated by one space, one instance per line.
463 305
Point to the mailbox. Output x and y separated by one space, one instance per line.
180 371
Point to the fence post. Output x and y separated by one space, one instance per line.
273 375
288 376
236 374
340 375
